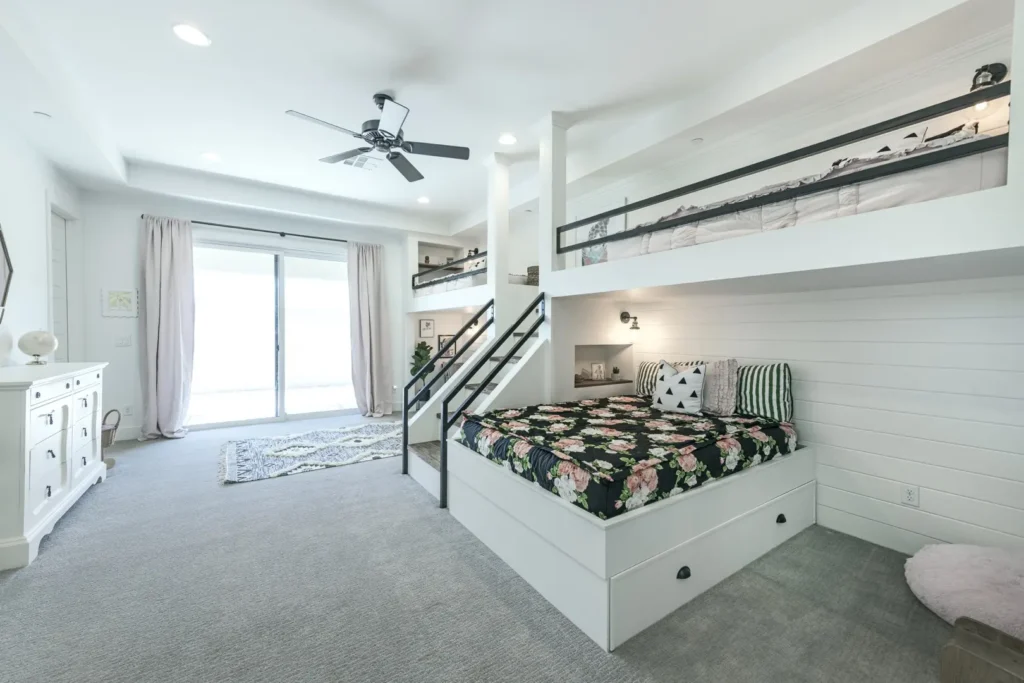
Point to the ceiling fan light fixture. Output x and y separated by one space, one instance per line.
507 139
192 35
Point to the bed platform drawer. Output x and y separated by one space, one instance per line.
648 592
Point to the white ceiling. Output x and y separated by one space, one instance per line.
468 70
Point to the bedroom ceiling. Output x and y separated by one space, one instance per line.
468 70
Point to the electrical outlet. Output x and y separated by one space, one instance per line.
910 495
123 342
128 411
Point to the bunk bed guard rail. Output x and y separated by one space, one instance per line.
448 417
903 165
419 283
408 403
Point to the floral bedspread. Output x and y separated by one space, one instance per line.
616 454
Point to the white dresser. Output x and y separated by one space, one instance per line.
50 427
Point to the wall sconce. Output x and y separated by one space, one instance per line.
985 77
625 317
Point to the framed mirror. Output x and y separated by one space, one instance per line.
6 273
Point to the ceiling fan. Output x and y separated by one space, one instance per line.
385 135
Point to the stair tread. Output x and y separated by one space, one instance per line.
488 389
512 359
428 451
523 334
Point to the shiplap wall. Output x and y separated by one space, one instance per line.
912 384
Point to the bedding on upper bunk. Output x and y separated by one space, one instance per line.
612 455
968 174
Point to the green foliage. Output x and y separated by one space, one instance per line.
421 356
615 370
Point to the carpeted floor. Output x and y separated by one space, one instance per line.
352 574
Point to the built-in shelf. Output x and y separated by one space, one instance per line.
587 383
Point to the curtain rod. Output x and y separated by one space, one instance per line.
268 232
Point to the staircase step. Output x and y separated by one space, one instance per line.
512 359
523 334
429 452
488 389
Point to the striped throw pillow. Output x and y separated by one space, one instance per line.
766 391
646 378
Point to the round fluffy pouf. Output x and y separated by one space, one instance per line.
986 584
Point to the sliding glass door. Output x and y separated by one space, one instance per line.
272 336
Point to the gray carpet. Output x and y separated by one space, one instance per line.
352 574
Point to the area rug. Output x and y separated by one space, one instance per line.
278 456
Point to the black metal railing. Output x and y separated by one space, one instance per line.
448 419
939 156
424 391
419 283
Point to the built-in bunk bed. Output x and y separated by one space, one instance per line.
620 510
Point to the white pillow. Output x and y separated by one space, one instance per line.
679 391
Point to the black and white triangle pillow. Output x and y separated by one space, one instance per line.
679 390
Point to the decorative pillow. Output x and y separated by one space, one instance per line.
766 391
679 391
646 378
720 381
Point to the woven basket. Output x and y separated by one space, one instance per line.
533 276
110 428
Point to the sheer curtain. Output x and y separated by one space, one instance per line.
169 325
371 343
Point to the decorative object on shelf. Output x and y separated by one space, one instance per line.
450 259
443 339
120 303
6 274
988 75
625 317
426 329
426 260
38 344
533 275
597 371
473 252
615 372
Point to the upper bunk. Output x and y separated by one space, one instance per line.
919 193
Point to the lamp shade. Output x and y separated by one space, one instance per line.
38 344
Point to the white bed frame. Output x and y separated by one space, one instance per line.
614 578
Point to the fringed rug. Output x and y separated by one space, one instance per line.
278 456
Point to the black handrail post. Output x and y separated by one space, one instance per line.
405 429
443 494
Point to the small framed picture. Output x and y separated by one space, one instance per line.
597 371
120 303
443 339
426 329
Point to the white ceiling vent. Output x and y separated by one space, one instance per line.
363 161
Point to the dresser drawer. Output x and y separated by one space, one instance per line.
83 432
82 459
47 392
44 491
644 594
46 456
84 404
87 379
47 420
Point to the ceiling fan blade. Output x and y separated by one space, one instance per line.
447 151
335 158
405 167
392 118
313 119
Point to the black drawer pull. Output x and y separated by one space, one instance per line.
781 519
49 492
77 382
68 385
85 431
83 461
683 573
52 454
38 395
85 403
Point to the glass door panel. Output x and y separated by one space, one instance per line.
317 347
235 367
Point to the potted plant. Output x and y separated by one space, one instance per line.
420 358
615 372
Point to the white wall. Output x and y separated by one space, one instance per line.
112 229
911 384
29 189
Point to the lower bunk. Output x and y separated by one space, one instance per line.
615 577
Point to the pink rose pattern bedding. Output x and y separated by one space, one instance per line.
609 456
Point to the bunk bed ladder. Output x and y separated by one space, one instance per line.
408 403
449 418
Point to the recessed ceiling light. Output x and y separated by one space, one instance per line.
210 156
192 35
424 200
42 114
507 139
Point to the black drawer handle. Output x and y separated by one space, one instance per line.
85 403
52 454
49 492
38 395
683 573
77 382
781 519
68 385
85 431
83 461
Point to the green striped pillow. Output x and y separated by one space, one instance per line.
766 390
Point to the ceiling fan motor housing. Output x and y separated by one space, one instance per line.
379 141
